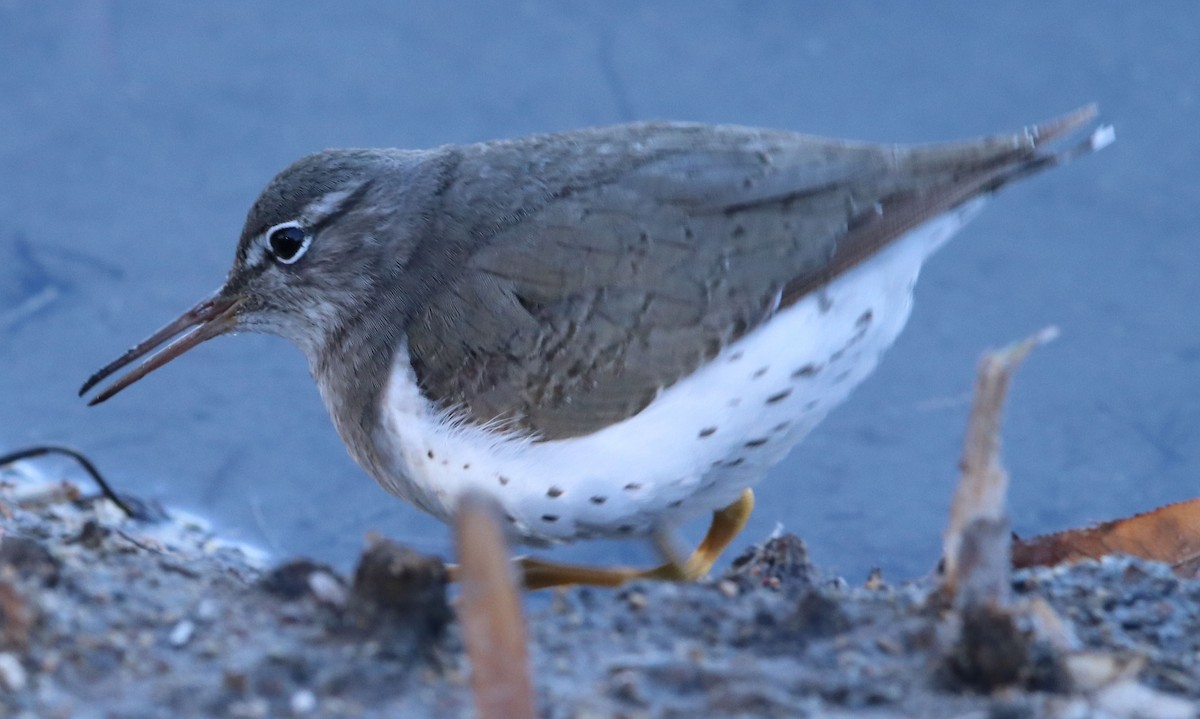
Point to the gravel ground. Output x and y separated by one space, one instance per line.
102 616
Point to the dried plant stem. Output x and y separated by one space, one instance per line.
983 484
83 461
490 612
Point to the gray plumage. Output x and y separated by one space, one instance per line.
555 284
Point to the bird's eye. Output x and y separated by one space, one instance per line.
287 242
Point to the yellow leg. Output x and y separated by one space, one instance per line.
726 524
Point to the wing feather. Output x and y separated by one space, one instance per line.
627 256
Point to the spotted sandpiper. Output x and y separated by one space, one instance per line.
608 331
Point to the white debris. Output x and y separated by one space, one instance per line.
303 702
1130 700
181 633
208 610
1102 137
327 588
12 673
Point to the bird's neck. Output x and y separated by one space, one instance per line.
352 370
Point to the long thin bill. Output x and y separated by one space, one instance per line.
212 316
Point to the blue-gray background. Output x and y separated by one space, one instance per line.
135 134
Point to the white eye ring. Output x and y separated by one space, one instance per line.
287 242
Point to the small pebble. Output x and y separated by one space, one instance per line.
326 588
303 702
12 673
624 686
728 588
234 681
208 610
250 708
181 633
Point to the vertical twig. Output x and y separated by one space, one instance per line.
490 612
982 490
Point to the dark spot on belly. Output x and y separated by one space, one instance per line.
808 370
511 519
676 504
779 396
554 492
824 301
550 518
729 463
632 487
466 467
861 325
811 404
781 426
837 355
429 454
760 372
841 377
735 356
625 529
707 431
599 500
503 480
757 442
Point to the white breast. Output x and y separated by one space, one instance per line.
697 445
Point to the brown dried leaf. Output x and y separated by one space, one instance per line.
490 612
1169 534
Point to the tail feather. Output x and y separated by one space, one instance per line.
950 176
1049 130
1045 133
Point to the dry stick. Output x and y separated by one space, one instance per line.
490 612
992 649
983 486
105 489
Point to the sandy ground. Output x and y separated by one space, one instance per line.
103 616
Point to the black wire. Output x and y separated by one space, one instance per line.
105 489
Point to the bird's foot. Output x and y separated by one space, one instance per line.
726 524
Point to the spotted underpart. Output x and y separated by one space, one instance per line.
697 445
